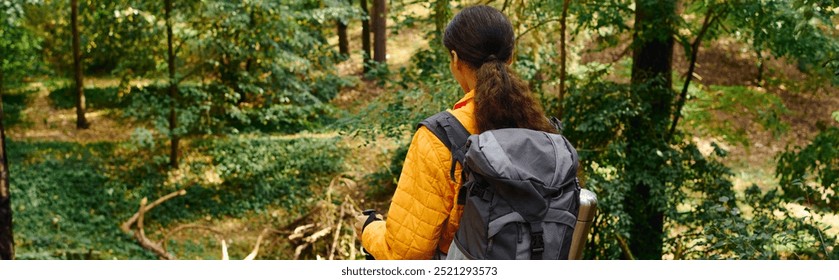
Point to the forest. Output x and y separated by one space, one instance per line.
251 129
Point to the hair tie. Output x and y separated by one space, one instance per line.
491 58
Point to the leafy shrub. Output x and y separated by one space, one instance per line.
213 109
261 171
809 173
95 98
195 107
13 104
738 104
424 89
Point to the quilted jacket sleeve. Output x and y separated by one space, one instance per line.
421 204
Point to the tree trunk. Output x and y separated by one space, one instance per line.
651 83
343 42
442 15
365 37
173 90
380 31
760 63
563 74
7 240
81 121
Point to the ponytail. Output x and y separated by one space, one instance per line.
502 100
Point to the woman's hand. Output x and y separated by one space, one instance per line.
359 223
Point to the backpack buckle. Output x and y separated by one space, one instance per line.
480 190
537 246
537 243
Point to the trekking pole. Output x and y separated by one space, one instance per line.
371 217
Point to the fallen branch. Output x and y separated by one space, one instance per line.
255 251
299 250
299 232
337 234
317 235
126 226
140 234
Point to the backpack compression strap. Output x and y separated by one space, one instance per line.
451 132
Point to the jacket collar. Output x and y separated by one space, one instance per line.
465 99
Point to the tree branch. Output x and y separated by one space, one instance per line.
710 17
126 226
337 233
625 247
255 251
537 26
140 234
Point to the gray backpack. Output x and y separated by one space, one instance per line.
519 190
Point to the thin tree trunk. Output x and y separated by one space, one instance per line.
563 74
365 37
343 39
441 18
343 42
380 31
249 62
173 90
694 52
81 121
7 240
760 67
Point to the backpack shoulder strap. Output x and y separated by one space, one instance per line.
451 132
447 128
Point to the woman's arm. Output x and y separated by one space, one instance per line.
421 204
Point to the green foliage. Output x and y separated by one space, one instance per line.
272 79
18 45
704 217
123 29
799 29
65 206
261 171
758 227
210 109
810 174
598 110
606 18
13 104
424 89
195 108
732 111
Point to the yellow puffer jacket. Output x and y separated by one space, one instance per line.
423 215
